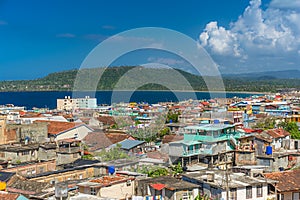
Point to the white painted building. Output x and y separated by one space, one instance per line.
240 187
69 103
67 130
79 132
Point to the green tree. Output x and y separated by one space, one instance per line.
292 128
177 169
172 116
87 157
113 154
202 197
266 123
158 172
164 131
114 126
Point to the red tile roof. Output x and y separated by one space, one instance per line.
205 103
158 186
261 137
171 138
56 127
107 120
249 130
277 133
110 180
117 137
287 180
8 196
96 141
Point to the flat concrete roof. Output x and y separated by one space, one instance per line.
210 127
237 180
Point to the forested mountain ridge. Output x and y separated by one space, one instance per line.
64 81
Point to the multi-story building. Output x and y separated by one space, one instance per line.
217 184
69 103
209 143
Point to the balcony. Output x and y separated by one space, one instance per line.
197 152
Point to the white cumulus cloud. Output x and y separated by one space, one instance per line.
288 4
257 36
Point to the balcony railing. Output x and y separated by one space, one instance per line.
197 152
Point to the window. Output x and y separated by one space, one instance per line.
23 153
271 189
232 194
93 191
259 191
41 169
249 192
187 195
296 196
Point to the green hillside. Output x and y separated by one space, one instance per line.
128 77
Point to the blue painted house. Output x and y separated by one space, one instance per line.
205 143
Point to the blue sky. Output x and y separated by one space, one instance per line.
40 37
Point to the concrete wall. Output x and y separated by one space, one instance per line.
191 194
241 193
46 154
290 144
36 168
66 158
219 147
37 132
118 191
245 158
274 163
17 157
277 143
69 175
2 130
175 149
278 162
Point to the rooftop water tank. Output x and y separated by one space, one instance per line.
216 121
269 150
111 169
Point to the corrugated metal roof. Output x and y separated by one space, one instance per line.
129 144
5 176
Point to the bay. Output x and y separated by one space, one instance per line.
48 99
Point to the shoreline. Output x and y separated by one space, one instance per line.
187 91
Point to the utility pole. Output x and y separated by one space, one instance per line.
226 176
